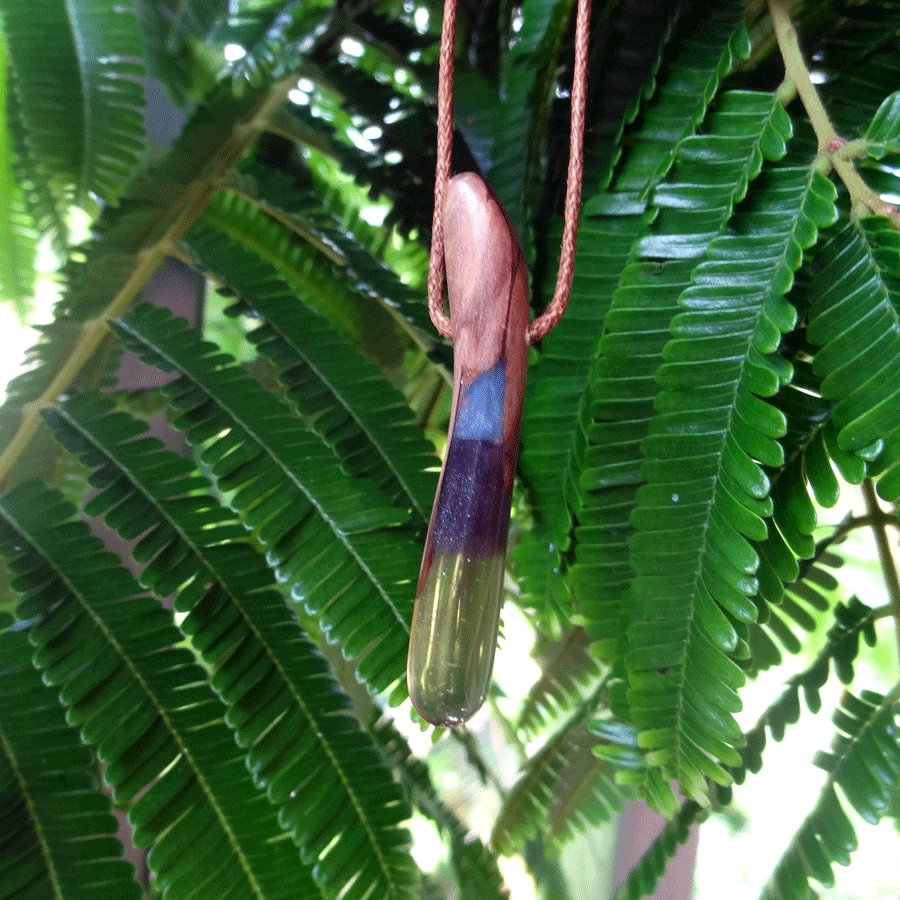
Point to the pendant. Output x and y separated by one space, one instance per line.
457 611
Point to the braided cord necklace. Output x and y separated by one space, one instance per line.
474 247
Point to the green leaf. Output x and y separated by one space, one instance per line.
333 539
233 614
864 762
57 825
18 235
696 195
812 459
644 877
567 668
349 402
76 76
277 39
855 320
371 289
564 788
474 865
883 134
175 34
852 621
146 708
706 498
129 239
346 399
556 418
324 286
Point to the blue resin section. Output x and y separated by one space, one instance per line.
480 413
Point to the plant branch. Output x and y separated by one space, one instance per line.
853 149
831 144
886 557
853 522
181 215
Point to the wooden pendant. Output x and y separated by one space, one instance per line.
457 611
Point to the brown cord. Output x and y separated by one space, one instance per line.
442 173
542 325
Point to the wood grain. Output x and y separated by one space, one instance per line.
457 612
487 283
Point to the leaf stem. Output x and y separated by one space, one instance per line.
852 149
335 255
831 144
852 523
885 556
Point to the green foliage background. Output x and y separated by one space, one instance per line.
229 672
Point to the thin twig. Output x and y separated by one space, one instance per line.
885 556
853 522
831 144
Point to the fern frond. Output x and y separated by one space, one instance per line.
474 865
40 201
285 708
558 405
806 475
18 235
349 403
128 244
400 163
364 270
57 826
18 243
643 878
623 385
324 286
144 705
852 621
41 362
706 497
864 762
567 668
77 74
345 398
855 322
785 607
563 788
175 36
790 562
332 538
277 40
641 35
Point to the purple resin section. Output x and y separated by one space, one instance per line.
472 514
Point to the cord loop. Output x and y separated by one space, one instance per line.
548 320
